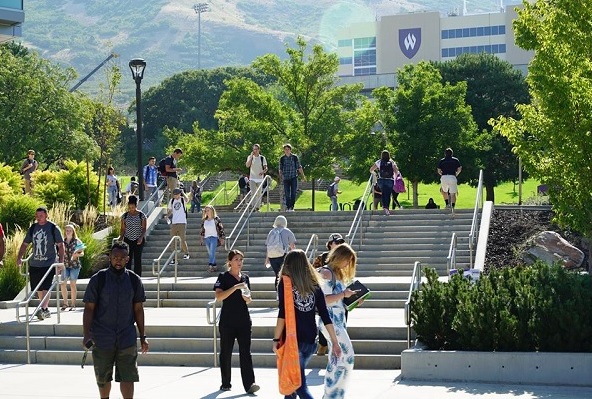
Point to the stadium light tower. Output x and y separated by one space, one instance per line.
199 8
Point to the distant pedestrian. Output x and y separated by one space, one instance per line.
233 289
74 250
132 187
243 186
133 233
195 193
29 166
48 247
448 168
211 234
257 165
387 170
289 169
280 240
177 215
112 184
150 174
333 192
377 195
431 204
398 188
172 172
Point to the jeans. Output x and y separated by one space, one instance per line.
112 191
334 206
211 245
195 205
148 194
305 352
386 186
290 187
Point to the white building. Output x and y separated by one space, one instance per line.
12 15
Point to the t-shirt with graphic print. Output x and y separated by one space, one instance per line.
44 243
179 213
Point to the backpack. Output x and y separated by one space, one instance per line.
387 171
162 166
331 190
275 247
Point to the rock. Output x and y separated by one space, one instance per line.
550 247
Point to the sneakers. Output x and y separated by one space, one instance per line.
186 256
222 388
39 314
46 313
386 211
254 388
321 350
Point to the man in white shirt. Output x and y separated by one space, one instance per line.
257 165
177 215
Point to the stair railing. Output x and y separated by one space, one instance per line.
451 258
415 286
212 317
243 219
57 279
351 235
474 233
157 270
312 246
155 199
224 191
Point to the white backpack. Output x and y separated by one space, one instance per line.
275 246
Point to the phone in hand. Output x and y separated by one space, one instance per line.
89 344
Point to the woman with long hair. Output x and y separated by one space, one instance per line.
212 234
339 273
234 290
387 170
112 184
73 251
308 297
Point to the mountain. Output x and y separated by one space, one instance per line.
82 33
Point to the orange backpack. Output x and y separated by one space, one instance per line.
288 361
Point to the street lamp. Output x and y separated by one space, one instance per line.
137 66
199 8
377 128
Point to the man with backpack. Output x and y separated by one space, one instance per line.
168 169
279 242
332 192
30 165
289 169
257 165
387 170
177 215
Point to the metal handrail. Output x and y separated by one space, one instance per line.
415 286
245 216
212 318
155 197
157 270
57 279
25 266
451 258
225 191
312 245
360 211
474 233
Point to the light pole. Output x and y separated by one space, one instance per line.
137 66
199 8
378 127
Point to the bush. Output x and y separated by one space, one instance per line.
534 308
11 281
49 189
81 183
18 210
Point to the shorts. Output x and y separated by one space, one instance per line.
448 184
124 360
70 273
36 274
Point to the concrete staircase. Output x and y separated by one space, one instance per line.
387 247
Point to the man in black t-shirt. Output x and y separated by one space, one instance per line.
448 168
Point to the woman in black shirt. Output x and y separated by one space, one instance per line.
234 289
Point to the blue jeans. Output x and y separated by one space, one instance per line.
386 186
195 205
290 187
305 352
211 245
334 205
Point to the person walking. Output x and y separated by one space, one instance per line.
333 192
449 168
177 215
387 170
243 186
133 233
289 169
280 240
29 166
112 184
172 172
308 298
113 308
195 196
398 188
233 289
212 234
341 271
74 250
48 245
257 165
150 174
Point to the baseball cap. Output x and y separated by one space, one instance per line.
177 191
337 238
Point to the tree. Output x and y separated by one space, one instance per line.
37 111
494 88
554 138
423 116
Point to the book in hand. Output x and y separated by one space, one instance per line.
361 293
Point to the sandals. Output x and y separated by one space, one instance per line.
64 307
212 269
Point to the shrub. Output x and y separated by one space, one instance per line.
11 178
11 281
81 184
534 308
93 253
49 189
18 210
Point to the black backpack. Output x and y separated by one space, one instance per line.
162 166
387 171
331 190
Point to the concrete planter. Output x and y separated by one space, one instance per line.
498 367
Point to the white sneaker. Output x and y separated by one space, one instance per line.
186 256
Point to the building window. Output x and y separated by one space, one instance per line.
364 71
480 30
444 52
345 61
365 58
445 34
474 32
344 43
364 42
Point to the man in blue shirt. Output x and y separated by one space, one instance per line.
113 303
289 169
150 174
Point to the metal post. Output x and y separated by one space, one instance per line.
139 138
199 8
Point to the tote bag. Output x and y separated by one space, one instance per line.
399 186
288 361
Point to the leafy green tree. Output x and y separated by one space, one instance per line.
553 137
494 88
422 117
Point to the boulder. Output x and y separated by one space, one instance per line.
550 247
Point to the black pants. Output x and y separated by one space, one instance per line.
227 337
396 202
276 265
135 255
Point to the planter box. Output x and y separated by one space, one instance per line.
534 368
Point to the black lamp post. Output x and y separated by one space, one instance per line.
137 66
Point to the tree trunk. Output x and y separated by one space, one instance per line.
489 193
415 194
